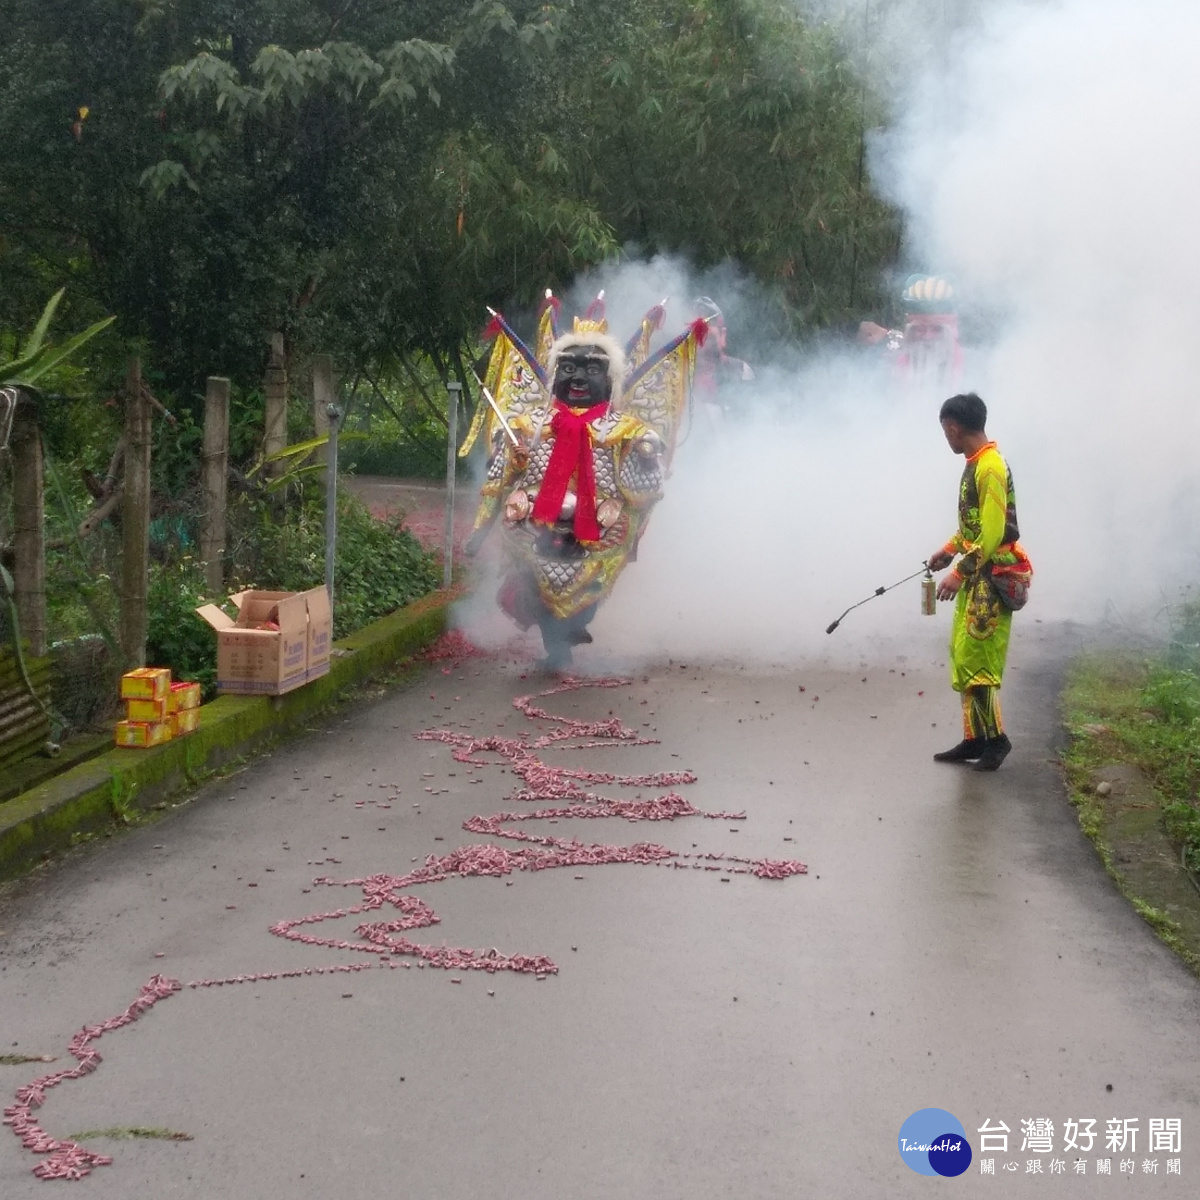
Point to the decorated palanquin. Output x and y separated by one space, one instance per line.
580 434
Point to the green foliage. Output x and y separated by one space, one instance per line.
36 358
176 637
120 799
404 459
1129 709
365 177
1184 648
1173 696
757 156
380 566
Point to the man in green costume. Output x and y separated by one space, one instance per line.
989 582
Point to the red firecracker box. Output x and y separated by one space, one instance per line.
185 721
146 710
146 683
183 696
142 734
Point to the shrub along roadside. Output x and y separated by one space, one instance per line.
280 546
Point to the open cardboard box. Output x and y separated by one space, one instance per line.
257 661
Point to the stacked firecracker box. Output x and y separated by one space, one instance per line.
156 710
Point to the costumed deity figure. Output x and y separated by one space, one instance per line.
580 434
930 356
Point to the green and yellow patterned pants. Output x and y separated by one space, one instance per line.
978 649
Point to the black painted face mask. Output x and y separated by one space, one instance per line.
581 377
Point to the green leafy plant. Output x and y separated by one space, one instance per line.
296 457
380 566
120 799
175 636
36 357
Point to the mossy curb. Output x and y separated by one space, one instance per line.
90 797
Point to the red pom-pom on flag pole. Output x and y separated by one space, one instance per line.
595 310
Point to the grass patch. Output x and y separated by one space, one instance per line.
1122 707
126 1133
1126 710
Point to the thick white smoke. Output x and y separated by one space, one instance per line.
1042 157
1049 165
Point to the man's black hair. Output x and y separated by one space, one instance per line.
967 410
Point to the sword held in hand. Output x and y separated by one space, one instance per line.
512 437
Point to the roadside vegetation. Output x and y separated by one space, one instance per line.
1142 709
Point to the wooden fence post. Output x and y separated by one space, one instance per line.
135 521
275 388
215 481
324 393
29 526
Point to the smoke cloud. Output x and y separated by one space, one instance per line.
1038 158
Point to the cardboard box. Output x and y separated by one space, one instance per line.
146 683
320 633
185 721
146 710
141 734
279 641
183 696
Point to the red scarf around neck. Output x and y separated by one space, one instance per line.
571 456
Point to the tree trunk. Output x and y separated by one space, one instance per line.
135 521
215 481
29 527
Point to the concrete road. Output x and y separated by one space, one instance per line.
955 944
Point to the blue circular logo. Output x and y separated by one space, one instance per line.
933 1142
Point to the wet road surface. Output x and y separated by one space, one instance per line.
955 944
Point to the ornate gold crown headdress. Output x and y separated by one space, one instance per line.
594 320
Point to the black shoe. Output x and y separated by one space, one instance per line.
994 753
579 637
967 750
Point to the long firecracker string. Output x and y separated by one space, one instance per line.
385 940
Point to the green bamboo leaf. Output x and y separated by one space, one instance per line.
302 448
34 342
11 371
53 355
298 448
